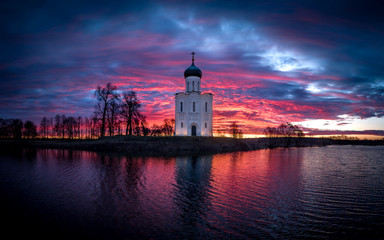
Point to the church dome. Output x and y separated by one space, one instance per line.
193 71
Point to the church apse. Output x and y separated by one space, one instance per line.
193 110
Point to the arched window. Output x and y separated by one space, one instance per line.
181 124
206 106
193 86
205 125
181 106
194 106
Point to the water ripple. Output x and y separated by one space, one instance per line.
321 193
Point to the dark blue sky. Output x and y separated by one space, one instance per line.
316 64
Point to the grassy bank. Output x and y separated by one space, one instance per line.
170 146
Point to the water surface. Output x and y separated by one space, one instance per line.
327 192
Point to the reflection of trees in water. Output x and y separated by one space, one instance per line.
285 180
234 171
192 197
133 171
119 182
20 153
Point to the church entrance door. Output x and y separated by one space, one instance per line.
193 131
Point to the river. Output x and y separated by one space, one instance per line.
297 193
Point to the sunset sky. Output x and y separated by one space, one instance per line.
319 65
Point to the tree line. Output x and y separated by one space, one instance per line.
284 134
16 128
115 114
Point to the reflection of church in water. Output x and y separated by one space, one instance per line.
193 110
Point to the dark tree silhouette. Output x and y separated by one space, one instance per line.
235 131
105 95
16 128
70 125
144 129
59 126
283 133
79 124
156 130
130 110
168 127
44 127
5 131
113 115
271 134
30 130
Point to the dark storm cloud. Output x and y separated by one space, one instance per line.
300 59
279 91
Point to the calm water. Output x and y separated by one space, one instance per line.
327 192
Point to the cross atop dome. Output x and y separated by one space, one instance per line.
193 70
193 57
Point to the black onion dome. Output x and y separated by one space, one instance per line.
192 71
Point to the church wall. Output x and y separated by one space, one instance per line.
196 108
194 117
192 83
200 116
181 117
206 114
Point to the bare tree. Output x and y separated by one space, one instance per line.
156 130
105 95
130 110
59 127
5 131
80 123
50 127
112 115
144 129
235 131
95 126
30 130
285 132
16 128
271 134
70 125
168 126
44 127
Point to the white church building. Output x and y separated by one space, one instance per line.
193 110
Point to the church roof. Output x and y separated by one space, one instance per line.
193 71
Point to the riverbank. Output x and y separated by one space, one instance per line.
172 145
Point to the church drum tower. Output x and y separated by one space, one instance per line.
193 110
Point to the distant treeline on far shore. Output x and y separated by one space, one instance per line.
115 114
119 113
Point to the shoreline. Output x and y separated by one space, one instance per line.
175 146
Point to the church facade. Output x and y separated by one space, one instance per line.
193 109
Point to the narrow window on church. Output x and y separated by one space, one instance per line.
193 106
193 86
181 124
205 125
181 106
206 106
